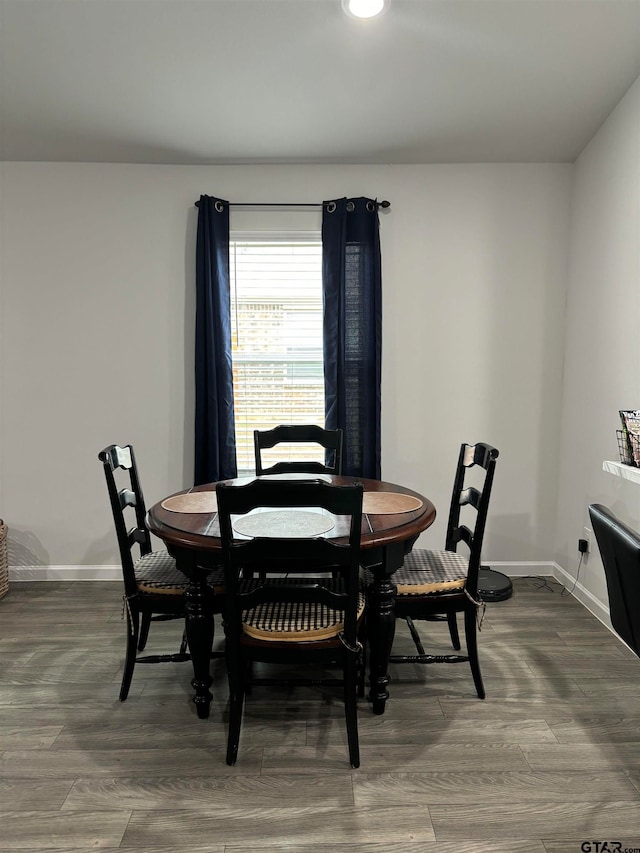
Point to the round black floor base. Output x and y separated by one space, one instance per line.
493 586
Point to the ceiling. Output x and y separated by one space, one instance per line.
298 81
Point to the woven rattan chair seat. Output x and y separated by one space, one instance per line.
295 621
156 573
431 572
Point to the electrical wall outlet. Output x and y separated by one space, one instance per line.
586 534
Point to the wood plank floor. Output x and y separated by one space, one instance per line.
550 760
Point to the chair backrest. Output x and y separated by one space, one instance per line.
299 555
127 506
477 497
329 439
620 551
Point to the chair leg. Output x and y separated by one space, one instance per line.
415 636
237 675
235 722
453 630
361 672
351 708
184 643
144 630
133 627
237 684
471 638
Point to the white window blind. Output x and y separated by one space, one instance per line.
276 318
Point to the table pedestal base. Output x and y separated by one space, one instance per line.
382 627
200 627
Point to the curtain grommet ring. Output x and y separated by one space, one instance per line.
371 206
331 207
350 207
219 207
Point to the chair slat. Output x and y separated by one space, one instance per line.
330 440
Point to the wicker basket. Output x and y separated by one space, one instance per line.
4 566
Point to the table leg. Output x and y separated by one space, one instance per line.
200 627
381 623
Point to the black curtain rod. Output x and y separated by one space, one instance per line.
383 204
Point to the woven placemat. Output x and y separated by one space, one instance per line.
388 503
192 502
286 523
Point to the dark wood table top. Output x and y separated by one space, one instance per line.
200 530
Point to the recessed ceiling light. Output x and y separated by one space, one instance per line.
363 8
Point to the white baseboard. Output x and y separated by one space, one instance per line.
64 573
523 569
114 573
19 574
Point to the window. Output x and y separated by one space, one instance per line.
276 320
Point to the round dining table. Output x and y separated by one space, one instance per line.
393 516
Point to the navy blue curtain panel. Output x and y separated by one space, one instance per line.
352 299
215 447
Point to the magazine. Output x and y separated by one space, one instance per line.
631 432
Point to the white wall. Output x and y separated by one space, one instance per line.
97 318
602 362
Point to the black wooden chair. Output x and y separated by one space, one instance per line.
303 620
153 586
619 547
432 584
301 434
